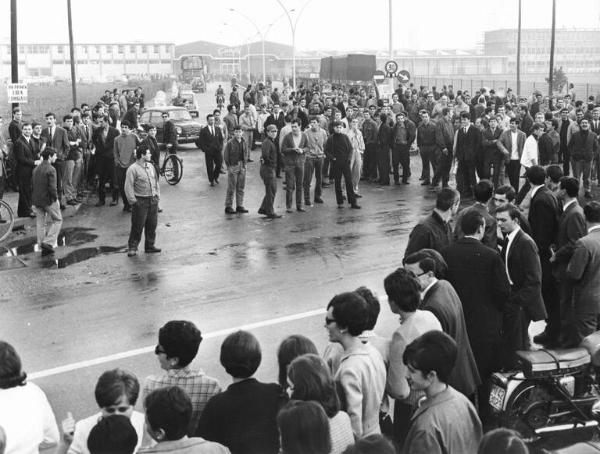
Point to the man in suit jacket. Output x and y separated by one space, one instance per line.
467 151
584 271
544 213
57 138
564 128
522 265
583 147
294 147
483 194
492 157
211 143
526 120
434 231
439 297
478 275
571 227
595 128
26 161
14 127
104 141
511 145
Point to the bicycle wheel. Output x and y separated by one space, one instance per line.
7 220
173 169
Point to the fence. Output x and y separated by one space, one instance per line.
582 91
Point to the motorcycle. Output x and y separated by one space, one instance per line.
551 391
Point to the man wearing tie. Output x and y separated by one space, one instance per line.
595 128
211 143
57 138
522 265
467 149
26 161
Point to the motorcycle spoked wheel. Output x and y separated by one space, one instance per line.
527 410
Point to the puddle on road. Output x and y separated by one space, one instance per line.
78 255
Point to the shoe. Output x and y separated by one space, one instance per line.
101 203
405 182
216 181
222 172
63 206
426 183
160 210
114 203
127 209
241 210
421 178
541 338
588 195
308 203
325 185
32 215
152 250
340 206
278 176
318 200
397 183
131 253
359 196
261 211
273 216
229 210
212 183
72 202
300 209
289 210
355 206
47 250
250 160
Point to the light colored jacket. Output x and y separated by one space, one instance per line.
195 445
361 377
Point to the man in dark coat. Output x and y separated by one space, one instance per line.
169 133
384 142
339 150
26 161
211 143
57 138
525 304
434 231
268 166
45 202
468 148
544 212
483 194
477 274
104 141
441 299
571 227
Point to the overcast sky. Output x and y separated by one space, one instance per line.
323 24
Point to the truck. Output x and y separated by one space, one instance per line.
348 69
191 71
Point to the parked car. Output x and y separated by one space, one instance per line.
186 123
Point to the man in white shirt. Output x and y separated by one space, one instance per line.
358 148
530 157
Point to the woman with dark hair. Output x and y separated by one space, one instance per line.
290 348
502 441
25 413
309 379
304 428
243 417
361 374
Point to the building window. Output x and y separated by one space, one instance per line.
132 49
98 49
157 48
144 49
121 48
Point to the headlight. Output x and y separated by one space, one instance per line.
179 130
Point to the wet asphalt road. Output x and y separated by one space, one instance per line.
89 311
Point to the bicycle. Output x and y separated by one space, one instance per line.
7 220
171 168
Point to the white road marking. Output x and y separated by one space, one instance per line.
145 350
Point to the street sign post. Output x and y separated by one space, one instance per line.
378 76
403 76
17 93
390 68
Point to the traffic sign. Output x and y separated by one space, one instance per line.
403 76
378 76
390 68
17 93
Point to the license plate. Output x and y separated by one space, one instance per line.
497 397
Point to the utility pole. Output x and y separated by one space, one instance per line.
390 45
72 53
519 54
551 78
14 48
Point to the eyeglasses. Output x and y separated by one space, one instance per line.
329 321
158 350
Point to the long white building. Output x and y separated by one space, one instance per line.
93 61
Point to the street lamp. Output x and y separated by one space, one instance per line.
263 41
293 26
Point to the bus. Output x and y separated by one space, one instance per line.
192 71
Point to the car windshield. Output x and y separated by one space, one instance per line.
179 115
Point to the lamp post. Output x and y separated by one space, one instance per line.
262 38
293 25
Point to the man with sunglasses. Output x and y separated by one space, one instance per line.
169 134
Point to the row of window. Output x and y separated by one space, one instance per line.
97 48
113 62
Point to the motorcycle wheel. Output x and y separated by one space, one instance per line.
527 410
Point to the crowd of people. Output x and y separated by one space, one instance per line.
471 282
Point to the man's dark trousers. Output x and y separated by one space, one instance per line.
144 217
442 168
401 157
343 169
383 164
213 164
313 165
60 167
121 174
270 180
105 168
370 163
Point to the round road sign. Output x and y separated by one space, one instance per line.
403 76
391 67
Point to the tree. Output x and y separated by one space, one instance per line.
559 79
